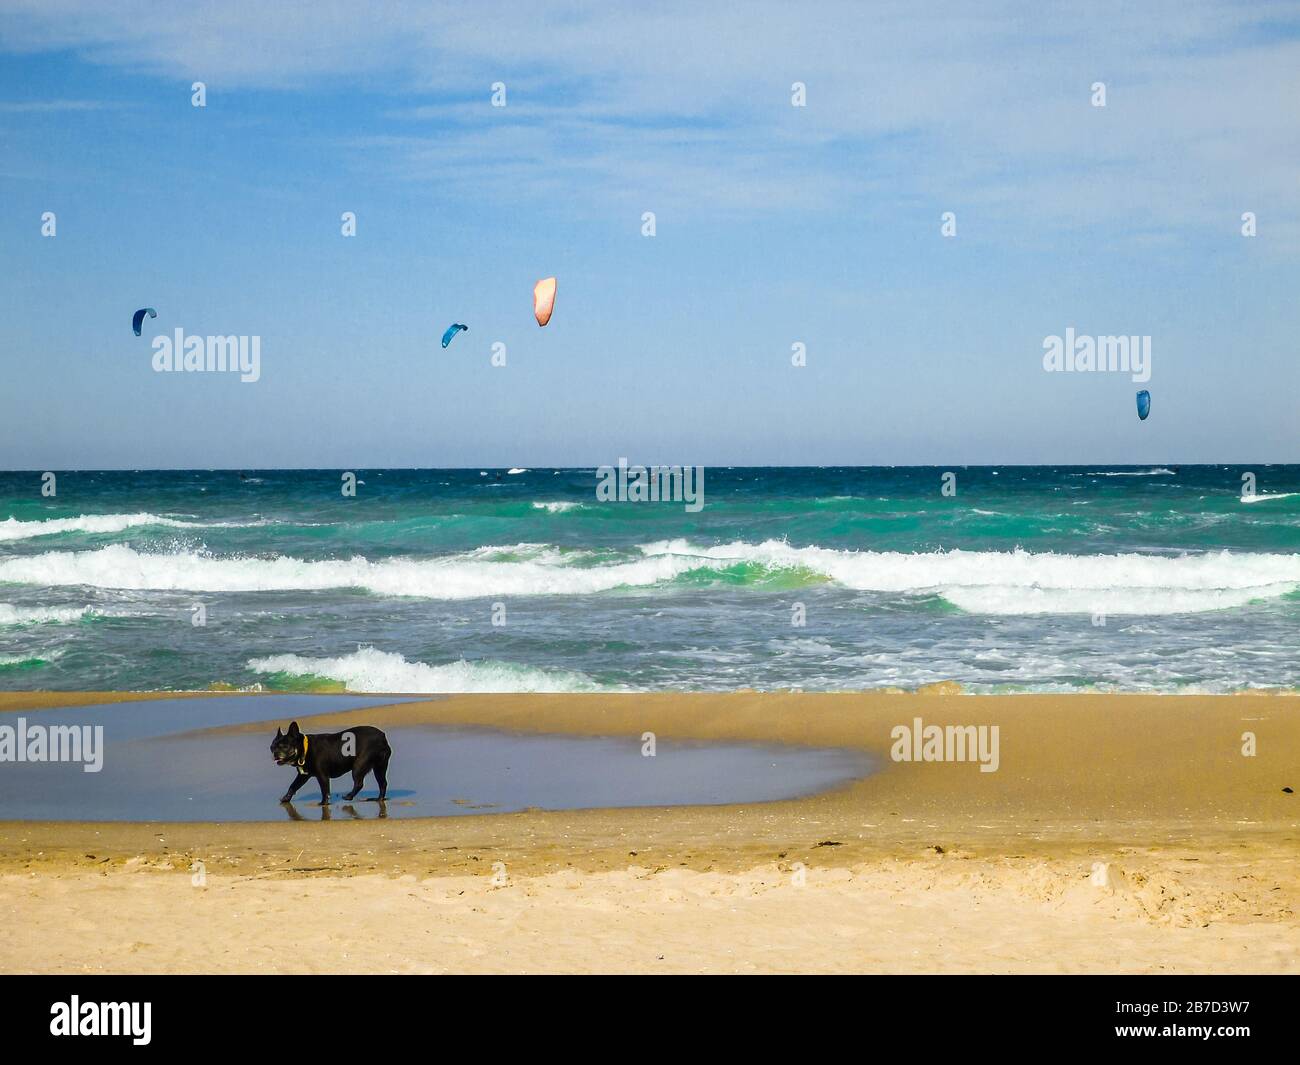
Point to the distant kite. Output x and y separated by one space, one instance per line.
452 330
544 300
138 317
1144 404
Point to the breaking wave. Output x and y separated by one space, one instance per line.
370 670
14 529
985 582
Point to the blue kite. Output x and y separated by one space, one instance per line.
138 317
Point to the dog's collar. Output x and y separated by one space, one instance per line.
302 761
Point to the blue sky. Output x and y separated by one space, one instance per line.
775 225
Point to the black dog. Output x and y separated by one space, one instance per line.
332 754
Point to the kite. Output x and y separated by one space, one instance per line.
138 317
544 300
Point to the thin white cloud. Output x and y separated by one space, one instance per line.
688 105
46 107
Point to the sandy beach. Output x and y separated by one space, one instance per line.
1120 833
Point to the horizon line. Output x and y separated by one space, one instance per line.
530 469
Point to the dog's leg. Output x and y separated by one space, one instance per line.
298 782
381 776
358 778
324 783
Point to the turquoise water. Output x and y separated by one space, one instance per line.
1027 579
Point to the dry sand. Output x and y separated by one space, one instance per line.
920 867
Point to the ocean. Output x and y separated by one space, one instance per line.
1083 578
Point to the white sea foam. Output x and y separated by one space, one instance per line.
370 670
13 529
450 577
35 658
1020 582
1110 601
20 615
996 582
1158 471
558 507
1274 495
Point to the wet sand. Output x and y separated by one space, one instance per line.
920 867
192 760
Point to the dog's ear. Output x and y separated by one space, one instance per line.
293 729
278 733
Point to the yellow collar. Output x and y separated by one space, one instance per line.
303 759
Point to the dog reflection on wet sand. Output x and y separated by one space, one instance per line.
327 812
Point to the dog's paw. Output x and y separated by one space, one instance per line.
286 798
